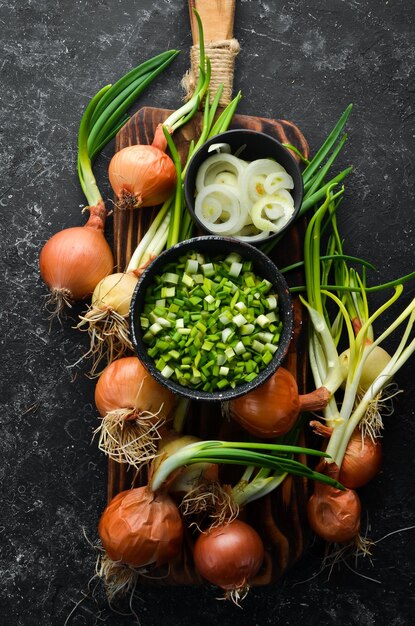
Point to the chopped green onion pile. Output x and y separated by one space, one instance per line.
210 324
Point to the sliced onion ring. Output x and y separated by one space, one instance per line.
230 208
273 205
216 164
276 181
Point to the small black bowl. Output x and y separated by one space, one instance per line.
213 246
255 145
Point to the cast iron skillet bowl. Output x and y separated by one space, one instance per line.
257 146
213 246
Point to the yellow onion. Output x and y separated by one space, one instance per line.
140 528
373 366
229 556
362 461
74 260
133 406
333 514
142 176
114 292
272 409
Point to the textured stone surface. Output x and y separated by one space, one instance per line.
301 60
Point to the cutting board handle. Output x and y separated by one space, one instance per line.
217 19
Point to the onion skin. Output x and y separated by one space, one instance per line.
139 528
375 363
143 172
114 292
229 556
75 259
362 461
334 515
125 383
273 408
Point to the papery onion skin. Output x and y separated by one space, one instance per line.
362 461
140 528
272 409
143 172
333 514
76 259
229 556
125 383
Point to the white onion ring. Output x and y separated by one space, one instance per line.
273 205
276 181
239 198
216 164
230 209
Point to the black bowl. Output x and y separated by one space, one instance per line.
255 146
213 246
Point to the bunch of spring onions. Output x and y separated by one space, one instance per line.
74 260
352 420
106 320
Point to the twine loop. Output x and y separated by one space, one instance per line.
222 58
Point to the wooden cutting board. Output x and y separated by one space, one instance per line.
279 518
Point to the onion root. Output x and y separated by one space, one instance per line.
209 500
129 436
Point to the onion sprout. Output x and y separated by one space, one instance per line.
239 453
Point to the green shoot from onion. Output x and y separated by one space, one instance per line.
343 416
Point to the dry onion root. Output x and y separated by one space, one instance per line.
106 321
133 406
138 529
209 500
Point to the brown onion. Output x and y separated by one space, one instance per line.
333 514
142 175
141 528
272 409
133 406
361 462
229 556
126 384
73 261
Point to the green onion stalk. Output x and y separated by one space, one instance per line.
362 381
106 321
317 169
74 260
273 461
205 496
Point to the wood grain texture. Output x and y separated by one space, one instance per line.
217 18
280 517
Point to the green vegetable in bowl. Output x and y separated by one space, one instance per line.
210 323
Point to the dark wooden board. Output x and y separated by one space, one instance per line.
280 517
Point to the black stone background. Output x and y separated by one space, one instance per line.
301 60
